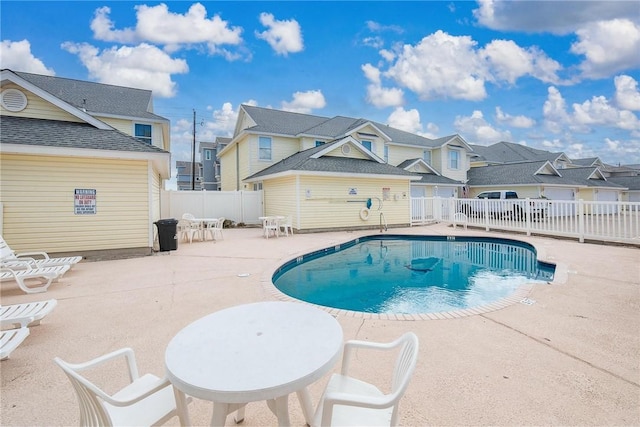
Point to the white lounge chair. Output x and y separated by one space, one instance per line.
145 401
25 277
26 314
10 340
348 401
11 259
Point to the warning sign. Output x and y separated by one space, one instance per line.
84 201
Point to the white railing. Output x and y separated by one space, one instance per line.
584 220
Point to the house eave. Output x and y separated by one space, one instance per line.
161 161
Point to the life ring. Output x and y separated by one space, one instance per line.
364 214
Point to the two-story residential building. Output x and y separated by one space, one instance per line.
82 165
210 169
330 169
185 171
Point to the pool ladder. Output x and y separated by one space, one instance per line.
383 223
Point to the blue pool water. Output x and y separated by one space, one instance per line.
412 274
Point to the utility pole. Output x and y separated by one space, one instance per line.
193 154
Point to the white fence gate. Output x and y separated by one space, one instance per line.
603 221
238 206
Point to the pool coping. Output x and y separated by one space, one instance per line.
520 295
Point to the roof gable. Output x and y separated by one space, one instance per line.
418 166
97 99
343 147
17 79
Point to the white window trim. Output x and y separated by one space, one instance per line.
451 151
270 149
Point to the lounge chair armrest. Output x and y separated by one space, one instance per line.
31 254
10 324
22 263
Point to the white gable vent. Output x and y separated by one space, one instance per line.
346 149
14 100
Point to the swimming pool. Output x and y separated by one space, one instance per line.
404 274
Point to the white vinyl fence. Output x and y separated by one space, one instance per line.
238 206
601 221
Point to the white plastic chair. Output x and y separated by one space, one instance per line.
146 401
215 228
189 227
271 226
11 259
26 314
11 339
287 226
26 275
348 401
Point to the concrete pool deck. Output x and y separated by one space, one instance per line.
570 358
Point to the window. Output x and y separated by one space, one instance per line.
454 159
426 156
257 186
386 153
319 143
264 148
367 144
207 154
143 133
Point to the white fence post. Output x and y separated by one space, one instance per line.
580 215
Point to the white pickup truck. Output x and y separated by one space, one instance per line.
504 203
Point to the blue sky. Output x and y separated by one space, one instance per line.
559 76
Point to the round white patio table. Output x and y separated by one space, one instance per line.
252 352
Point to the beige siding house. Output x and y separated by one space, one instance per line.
266 140
81 164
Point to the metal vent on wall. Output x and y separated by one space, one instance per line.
13 100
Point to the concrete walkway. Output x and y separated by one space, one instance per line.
571 358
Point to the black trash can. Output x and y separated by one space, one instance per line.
167 234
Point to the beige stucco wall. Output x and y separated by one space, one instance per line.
324 202
38 108
38 197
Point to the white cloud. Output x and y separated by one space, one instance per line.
376 94
441 65
157 25
477 130
406 120
627 95
627 150
143 66
409 121
555 111
608 47
446 66
283 36
104 28
508 62
560 17
224 120
515 121
377 27
305 102
17 56
597 111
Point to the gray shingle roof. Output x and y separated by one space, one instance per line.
508 152
631 182
302 161
97 98
52 133
281 122
432 178
523 173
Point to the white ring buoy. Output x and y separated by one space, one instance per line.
364 214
